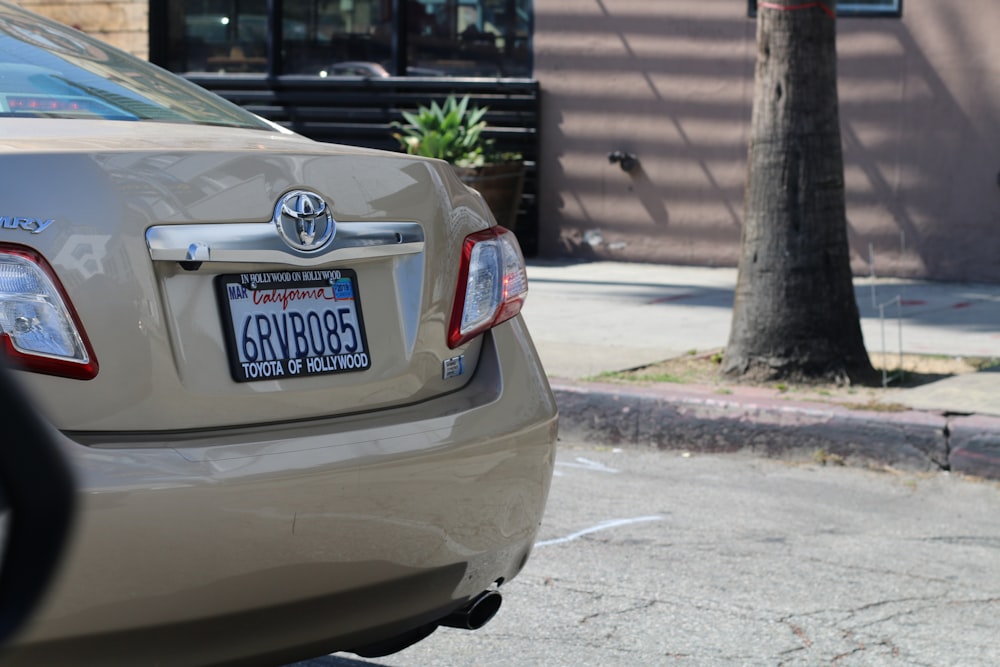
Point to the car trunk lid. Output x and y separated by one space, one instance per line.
203 314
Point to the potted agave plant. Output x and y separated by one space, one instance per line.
453 132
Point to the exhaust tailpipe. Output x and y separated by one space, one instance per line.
476 613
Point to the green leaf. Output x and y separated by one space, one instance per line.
449 131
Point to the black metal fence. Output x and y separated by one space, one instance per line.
360 112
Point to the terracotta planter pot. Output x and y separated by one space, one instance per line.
500 185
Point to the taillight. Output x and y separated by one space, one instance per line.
39 330
492 284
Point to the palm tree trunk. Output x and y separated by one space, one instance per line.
795 316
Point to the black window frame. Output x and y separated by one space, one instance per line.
843 11
398 65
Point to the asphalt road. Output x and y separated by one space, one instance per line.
648 558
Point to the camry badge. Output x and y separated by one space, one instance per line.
304 221
33 225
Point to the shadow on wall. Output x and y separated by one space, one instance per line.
921 176
673 84
643 187
629 89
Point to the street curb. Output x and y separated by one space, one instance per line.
700 419
975 445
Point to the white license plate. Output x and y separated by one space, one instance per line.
289 324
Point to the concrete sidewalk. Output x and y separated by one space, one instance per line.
587 318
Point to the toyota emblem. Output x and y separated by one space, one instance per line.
304 222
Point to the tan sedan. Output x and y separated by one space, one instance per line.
291 378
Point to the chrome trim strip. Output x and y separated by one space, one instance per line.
259 243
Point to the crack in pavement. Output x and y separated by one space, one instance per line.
642 607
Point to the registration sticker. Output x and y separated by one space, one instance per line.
292 324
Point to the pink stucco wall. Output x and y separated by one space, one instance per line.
672 82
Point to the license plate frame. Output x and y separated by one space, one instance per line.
287 324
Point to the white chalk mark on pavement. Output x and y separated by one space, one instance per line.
587 464
604 525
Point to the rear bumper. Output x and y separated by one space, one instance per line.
284 540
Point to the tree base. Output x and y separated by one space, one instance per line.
768 370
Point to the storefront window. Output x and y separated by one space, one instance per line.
856 8
870 7
338 37
470 37
350 37
223 36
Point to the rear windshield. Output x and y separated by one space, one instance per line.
53 71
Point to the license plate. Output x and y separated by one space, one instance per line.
292 324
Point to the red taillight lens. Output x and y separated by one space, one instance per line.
492 284
39 330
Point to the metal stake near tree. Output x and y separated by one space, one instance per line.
795 317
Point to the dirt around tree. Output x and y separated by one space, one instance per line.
899 371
